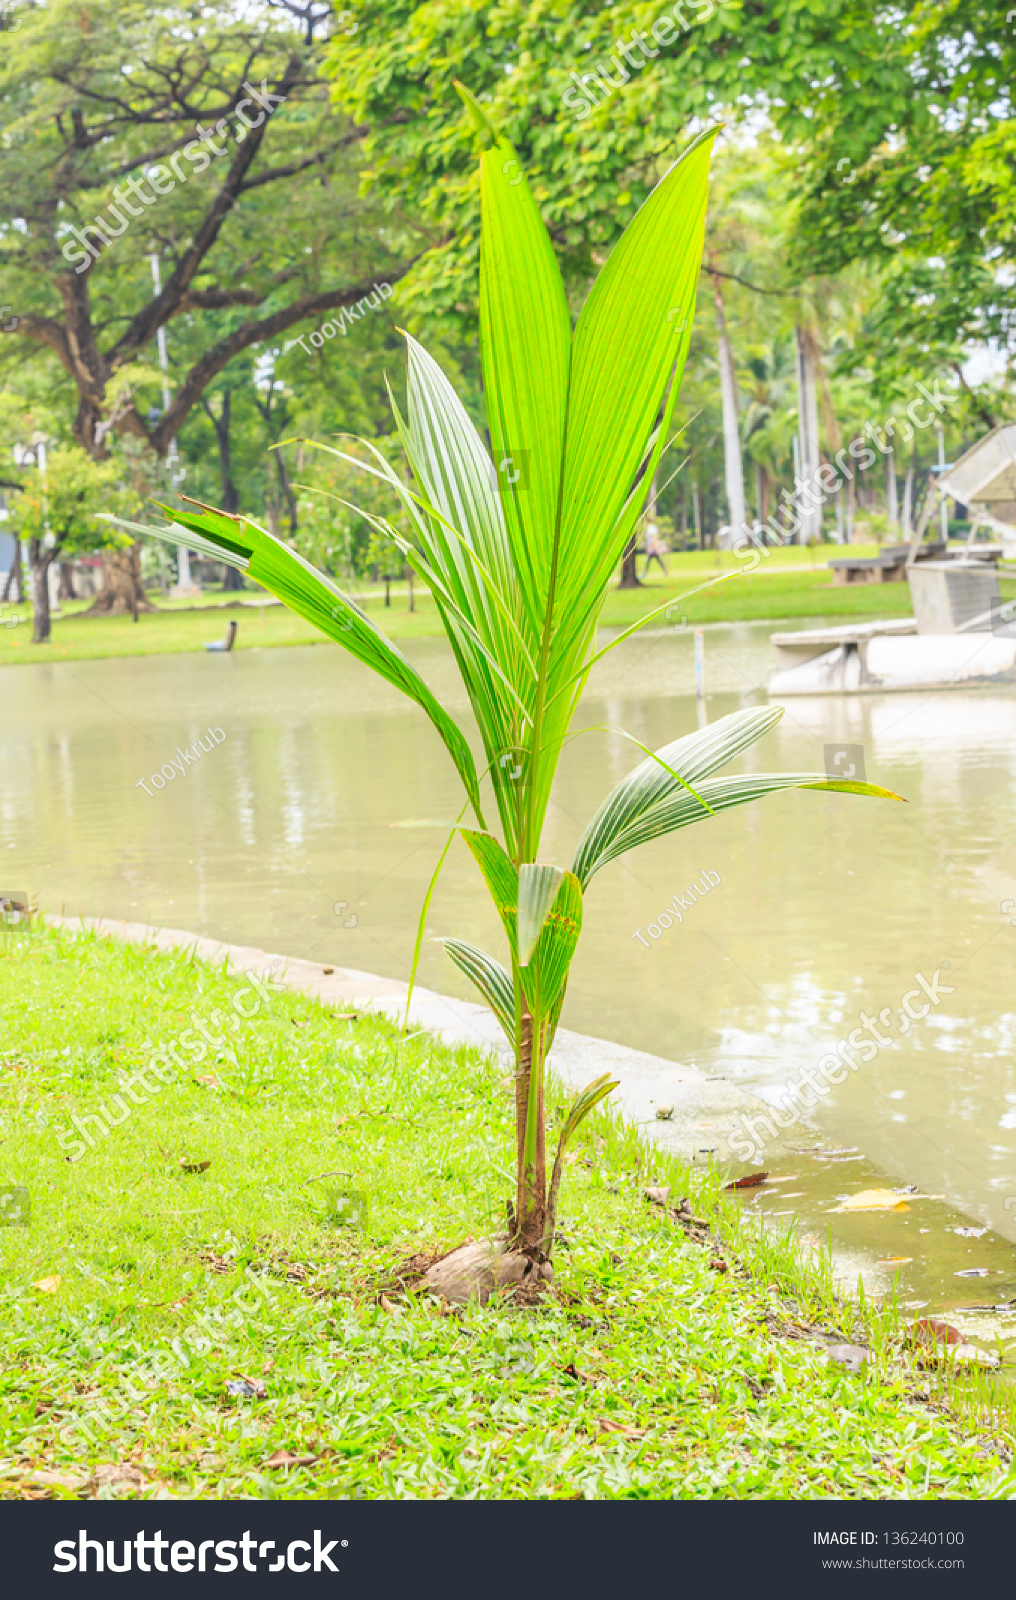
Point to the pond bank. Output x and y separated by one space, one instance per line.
703 1110
198 1306
706 1113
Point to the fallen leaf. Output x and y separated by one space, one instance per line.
658 1194
44 1479
932 1331
193 1166
748 1181
895 1261
607 1425
283 1458
717 1264
874 1200
386 1305
48 1285
571 1371
115 1472
245 1388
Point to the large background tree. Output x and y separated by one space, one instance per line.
97 94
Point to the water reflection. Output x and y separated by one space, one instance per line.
329 788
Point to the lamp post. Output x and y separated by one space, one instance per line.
185 583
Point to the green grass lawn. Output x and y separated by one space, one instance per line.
239 1222
792 582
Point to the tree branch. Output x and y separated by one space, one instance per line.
309 161
242 338
714 272
153 316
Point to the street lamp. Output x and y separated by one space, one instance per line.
185 583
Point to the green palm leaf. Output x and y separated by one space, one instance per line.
490 978
678 809
538 886
544 978
501 877
313 596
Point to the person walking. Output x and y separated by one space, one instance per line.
654 549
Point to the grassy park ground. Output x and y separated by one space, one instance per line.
793 582
240 1222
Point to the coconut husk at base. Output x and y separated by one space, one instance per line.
476 1271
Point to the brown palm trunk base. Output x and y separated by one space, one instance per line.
518 1260
531 1188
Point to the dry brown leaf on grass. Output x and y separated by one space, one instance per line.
932 1331
284 1458
116 1473
607 1425
48 1285
44 1479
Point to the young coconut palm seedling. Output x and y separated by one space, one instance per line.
518 561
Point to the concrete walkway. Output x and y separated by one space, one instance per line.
705 1109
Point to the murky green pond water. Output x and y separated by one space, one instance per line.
325 799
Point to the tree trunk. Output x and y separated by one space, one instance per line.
891 498
287 490
14 587
908 502
808 360
233 580
121 594
629 577
732 465
67 581
40 560
531 1188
